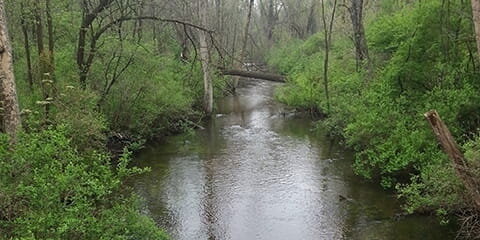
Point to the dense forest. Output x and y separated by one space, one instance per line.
85 83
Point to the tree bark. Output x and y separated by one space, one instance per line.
45 60
327 40
360 41
51 37
476 22
11 121
26 41
83 63
310 29
243 50
450 147
39 28
205 58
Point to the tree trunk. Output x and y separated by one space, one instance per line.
243 50
205 58
270 16
450 147
45 60
28 54
11 122
256 75
51 37
360 42
82 68
84 62
270 20
476 21
219 8
327 40
39 28
311 28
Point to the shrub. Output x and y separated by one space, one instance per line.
48 190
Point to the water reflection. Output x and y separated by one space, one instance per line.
256 173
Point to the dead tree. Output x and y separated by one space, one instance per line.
256 75
450 147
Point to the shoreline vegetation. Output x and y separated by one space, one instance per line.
377 105
82 77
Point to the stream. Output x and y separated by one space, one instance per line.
257 172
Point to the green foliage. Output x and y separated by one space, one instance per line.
49 190
302 61
76 108
422 60
58 183
151 91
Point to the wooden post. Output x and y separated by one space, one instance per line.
450 147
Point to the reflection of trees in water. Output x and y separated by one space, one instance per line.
240 183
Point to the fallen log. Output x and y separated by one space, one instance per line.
257 75
450 147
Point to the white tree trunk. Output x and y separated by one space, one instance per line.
10 110
205 58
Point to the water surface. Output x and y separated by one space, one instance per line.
259 172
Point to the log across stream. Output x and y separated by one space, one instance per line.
255 172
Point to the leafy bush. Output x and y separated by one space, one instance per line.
48 190
417 67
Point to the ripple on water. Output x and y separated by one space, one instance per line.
255 174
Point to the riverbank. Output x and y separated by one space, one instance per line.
378 106
256 173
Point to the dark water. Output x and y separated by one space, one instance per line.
256 173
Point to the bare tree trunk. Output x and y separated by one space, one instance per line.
450 147
234 42
205 58
51 37
219 8
83 60
39 28
243 50
476 21
28 54
311 19
270 16
360 42
11 121
327 40
43 56
270 19
138 28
